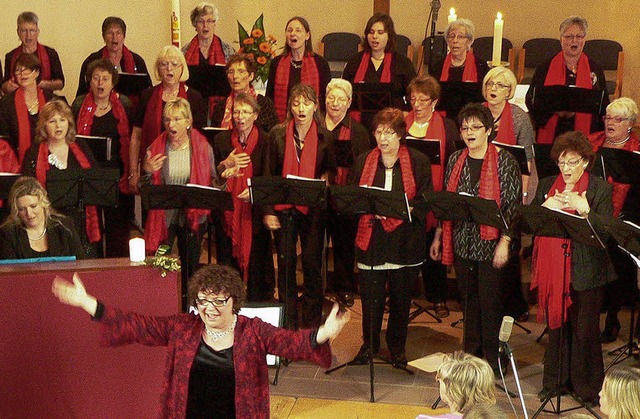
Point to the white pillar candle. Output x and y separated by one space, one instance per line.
175 22
136 250
452 15
498 25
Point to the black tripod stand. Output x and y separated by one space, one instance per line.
359 200
544 222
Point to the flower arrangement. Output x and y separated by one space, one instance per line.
163 261
258 46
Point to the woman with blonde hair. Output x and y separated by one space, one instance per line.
620 394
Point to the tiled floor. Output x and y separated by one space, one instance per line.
393 386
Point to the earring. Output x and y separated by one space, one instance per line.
584 166
629 130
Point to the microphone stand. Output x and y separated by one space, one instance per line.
504 346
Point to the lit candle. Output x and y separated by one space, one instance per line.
136 250
175 22
452 15
498 24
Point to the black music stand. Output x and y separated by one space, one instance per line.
548 99
456 94
6 182
545 166
627 237
369 98
101 147
181 197
132 84
275 190
621 165
520 154
542 221
209 80
364 200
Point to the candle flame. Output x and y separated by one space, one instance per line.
452 12
499 16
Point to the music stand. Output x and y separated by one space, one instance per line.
209 80
549 99
132 84
456 94
6 182
182 197
100 147
542 221
519 152
545 166
620 165
358 200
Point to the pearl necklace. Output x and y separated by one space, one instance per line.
216 336
39 237
618 142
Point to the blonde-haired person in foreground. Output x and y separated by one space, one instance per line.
465 381
485 411
620 394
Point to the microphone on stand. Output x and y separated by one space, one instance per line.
503 337
435 8
505 331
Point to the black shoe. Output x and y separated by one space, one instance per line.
611 330
399 360
362 357
441 310
346 298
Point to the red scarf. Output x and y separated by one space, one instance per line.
547 264
227 122
556 76
216 54
92 223
8 161
239 221
385 77
24 125
152 122
342 173
306 166
43 56
489 189
365 225
469 74
129 65
156 227
309 75
85 122
620 190
506 134
434 131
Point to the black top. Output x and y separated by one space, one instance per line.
83 84
62 239
9 119
406 245
359 143
540 117
212 384
324 74
267 118
54 60
197 103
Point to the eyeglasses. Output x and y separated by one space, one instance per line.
471 128
618 119
490 85
578 37
169 120
218 302
166 64
242 113
384 133
569 163
203 22
240 72
23 70
416 101
332 99
459 37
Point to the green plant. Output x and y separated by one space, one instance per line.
258 46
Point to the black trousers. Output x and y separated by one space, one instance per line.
189 247
582 366
310 228
117 227
261 282
434 276
342 229
514 300
372 291
480 285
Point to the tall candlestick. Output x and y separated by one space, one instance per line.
498 25
175 22
452 15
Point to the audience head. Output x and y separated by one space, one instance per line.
28 202
465 380
171 66
28 30
298 33
620 394
485 411
217 279
55 120
379 34
499 85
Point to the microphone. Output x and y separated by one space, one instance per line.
505 329
435 8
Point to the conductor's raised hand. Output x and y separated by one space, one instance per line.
74 294
333 324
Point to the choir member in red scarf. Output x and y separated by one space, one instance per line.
114 32
172 70
511 125
579 278
300 147
390 251
178 156
56 148
570 67
51 76
241 70
350 139
460 64
621 116
216 359
378 62
479 252
297 64
19 109
244 150
105 113
424 123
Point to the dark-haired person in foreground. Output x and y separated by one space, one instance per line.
216 360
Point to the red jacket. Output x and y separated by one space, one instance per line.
181 333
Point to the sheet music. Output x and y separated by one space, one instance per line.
308 179
210 188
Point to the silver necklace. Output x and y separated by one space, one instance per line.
618 142
39 237
216 336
